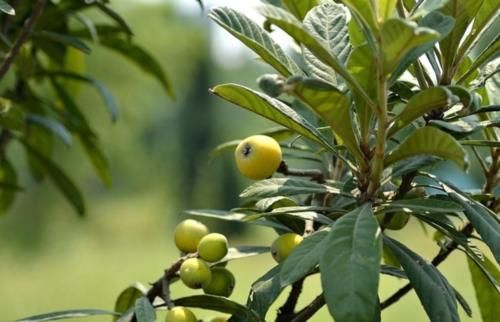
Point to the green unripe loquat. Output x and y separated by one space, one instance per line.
396 221
221 282
258 157
213 247
188 234
180 314
195 272
283 246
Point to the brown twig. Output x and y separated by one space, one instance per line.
161 288
314 174
23 36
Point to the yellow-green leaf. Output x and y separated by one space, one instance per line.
429 141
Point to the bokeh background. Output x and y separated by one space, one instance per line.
50 259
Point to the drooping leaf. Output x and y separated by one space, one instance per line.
285 187
255 38
435 294
264 292
303 258
484 221
350 266
97 158
8 186
429 140
271 109
127 298
144 310
58 177
122 23
421 103
51 125
6 8
65 40
68 314
328 23
486 295
106 95
295 29
300 8
141 58
399 37
413 164
217 303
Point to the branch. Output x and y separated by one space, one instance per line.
161 288
286 312
314 174
23 36
310 310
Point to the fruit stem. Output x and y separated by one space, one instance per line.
314 174
161 287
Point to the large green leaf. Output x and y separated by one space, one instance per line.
429 140
331 105
463 11
8 185
271 109
484 221
435 294
303 258
350 266
365 10
128 296
328 23
217 303
68 314
399 37
435 21
285 187
264 292
141 58
429 205
58 177
255 38
362 66
421 103
486 295
296 30
144 310
122 23
300 8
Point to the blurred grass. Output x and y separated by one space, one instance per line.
52 260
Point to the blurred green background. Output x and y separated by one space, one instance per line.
52 260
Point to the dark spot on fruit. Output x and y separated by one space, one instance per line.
246 150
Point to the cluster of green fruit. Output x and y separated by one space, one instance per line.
201 270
